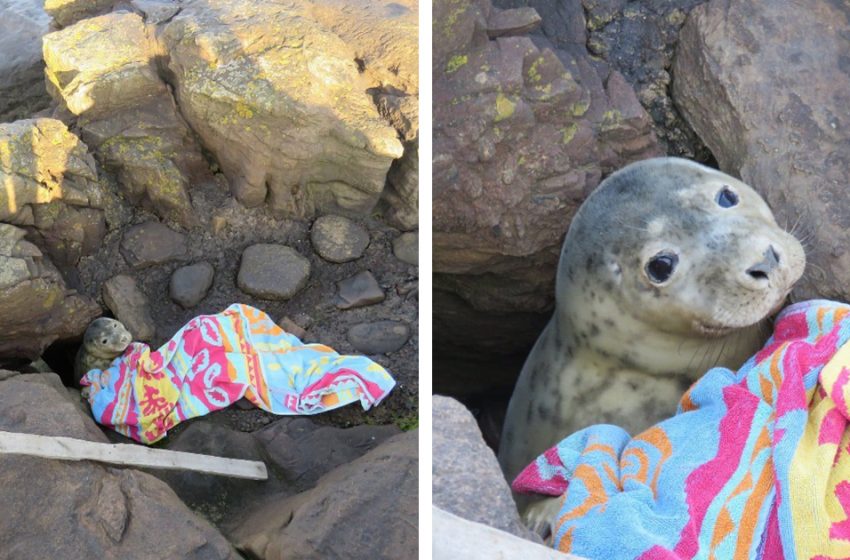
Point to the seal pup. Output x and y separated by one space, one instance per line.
668 268
104 340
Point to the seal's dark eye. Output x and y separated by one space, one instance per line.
727 198
661 267
103 341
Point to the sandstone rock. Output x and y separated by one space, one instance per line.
190 284
338 239
358 291
129 304
104 71
285 114
379 337
271 271
50 184
152 243
523 130
22 93
36 306
365 509
67 12
467 480
771 101
156 11
85 509
406 248
402 194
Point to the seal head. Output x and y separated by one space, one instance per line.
104 340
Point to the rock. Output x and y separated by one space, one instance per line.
358 291
50 183
36 306
275 272
516 21
337 239
365 509
379 337
406 248
287 117
156 11
152 243
292 327
190 284
22 93
771 102
402 194
638 39
126 112
302 451
85 509
68 12
524 130
129 304
466 478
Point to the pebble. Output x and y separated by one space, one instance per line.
406 247
359 291
190 284
337 239
273 272
292 327
128 303
152 243
379 337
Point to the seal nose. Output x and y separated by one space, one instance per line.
762 269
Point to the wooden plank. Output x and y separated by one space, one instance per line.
70 449
456 538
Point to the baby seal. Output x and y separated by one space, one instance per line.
668 268
105 339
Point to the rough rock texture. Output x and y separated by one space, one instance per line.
359 290
523 130
190 284
50 185
286 114
467 480
379 337
67 12
128 303
271 271
152 243
104 71
406 247
85 509
402 194
338 239
771 101
36 306
365 509
22 92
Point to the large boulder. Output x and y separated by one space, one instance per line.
105 72
771 101
65 509
51 186
22 92
523 130
36 306
365 509
277 95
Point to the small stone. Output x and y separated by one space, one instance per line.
359 291
380 337
406 247
337 239
128 303
274 272
303 319
152 243
218 223
190 284
292 327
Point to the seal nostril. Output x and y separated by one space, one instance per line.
757 274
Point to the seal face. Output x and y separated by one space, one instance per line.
104 340
668 268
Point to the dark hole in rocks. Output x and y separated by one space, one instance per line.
60 357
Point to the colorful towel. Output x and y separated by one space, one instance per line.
755 464
214 361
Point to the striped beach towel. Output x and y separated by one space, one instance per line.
755 464
215 360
